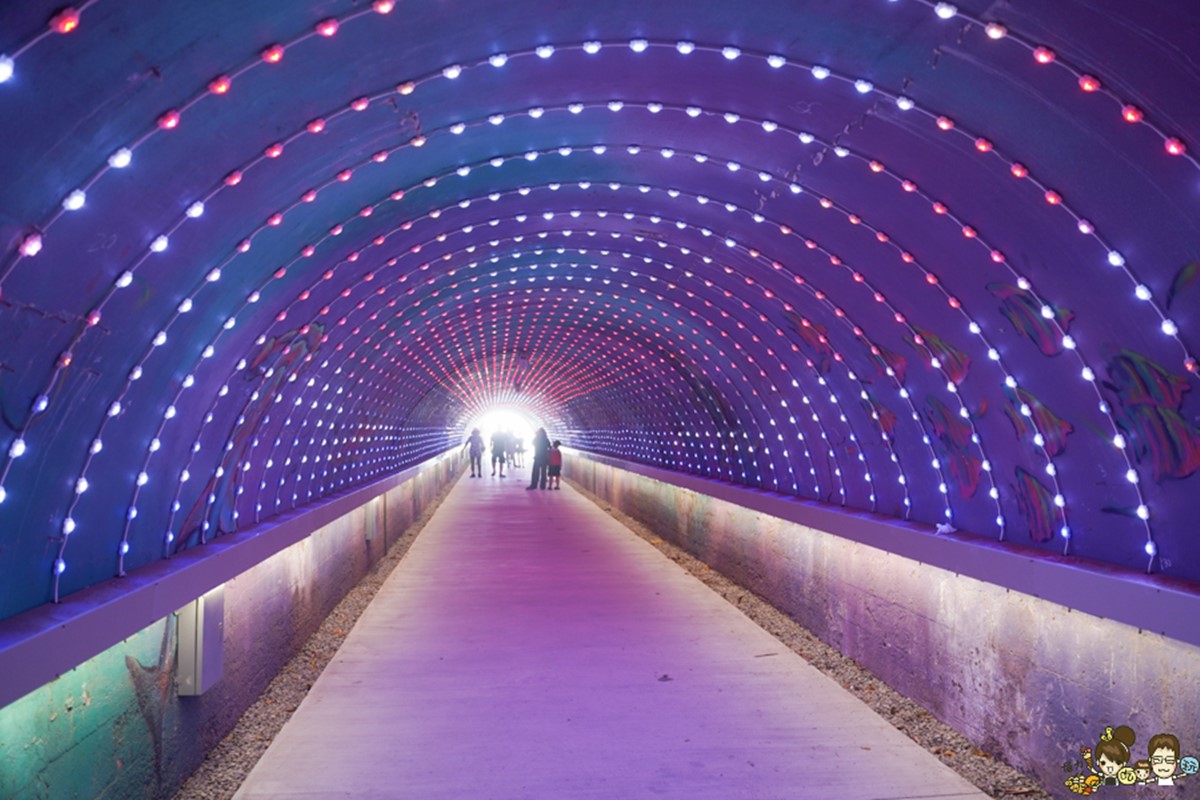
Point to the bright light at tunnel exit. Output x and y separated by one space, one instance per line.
512 420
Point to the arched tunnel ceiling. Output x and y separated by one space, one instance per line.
932 261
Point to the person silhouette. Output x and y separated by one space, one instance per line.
541 459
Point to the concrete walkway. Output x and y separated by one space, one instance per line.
531 647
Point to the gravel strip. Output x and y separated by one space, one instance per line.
227 765
992 776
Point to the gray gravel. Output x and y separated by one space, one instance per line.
228 764
223 771
992 776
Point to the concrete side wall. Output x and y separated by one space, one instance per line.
115 727
1022 677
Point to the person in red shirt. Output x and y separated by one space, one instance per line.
555 471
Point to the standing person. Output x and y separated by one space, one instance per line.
519 452
474 444
541 459
555 462
499 440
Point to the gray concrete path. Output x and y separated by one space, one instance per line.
530 647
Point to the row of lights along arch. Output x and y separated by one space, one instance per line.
755 270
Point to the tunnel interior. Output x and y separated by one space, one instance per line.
934 262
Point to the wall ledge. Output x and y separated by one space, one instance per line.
41 644
1154 603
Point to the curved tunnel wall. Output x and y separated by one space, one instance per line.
902 257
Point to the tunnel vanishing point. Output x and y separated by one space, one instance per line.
888 310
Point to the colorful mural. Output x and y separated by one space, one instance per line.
1021 309
1148 399
271 367
954 362
1037 505
953 444
1054 429
814 335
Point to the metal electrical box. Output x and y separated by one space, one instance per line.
201 643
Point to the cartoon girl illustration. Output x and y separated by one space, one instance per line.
1111 755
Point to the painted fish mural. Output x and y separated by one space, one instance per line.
955 363
1054 429
1037 505
1024 312
1148 401
953 442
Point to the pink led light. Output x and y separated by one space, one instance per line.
945 123
65 21
31 245
360 104
383 6
273 54
1043 55
1131 113
233 178
1053 197
1174 146
327 27
169 120
1089 83
1019 170
316 126
220 84
983 145
274 151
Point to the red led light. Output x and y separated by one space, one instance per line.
1175 147
931 279
1043 55
939 208
366 212
380 157
65 21
220 84
1018 170
316 126
1131 113
273 54
233 178
876 166
953 301
398 195
907 257
308 251
383 6
997 256
1089 83
274 220
280 273
945 123
1053 197
274 151
169 120
969 232
327 27
345 175
309 196
908 186
360 104
983 145
881 236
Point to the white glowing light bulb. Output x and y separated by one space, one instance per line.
1144 513
68 526
945 10
863 86
75 200
17 448
730 53
195 210
638 45
498 60
820 73
1116 259
121 159
7 67
905 103
591 48
452 71
1169 327
159 244
776 61
544 51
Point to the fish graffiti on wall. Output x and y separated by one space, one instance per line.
815 336
953 443
892 360
1054 429
1149 398
1024 312
954 362
273 364
1037 505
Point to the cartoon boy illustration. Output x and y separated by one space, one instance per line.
1142 770
1164 756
